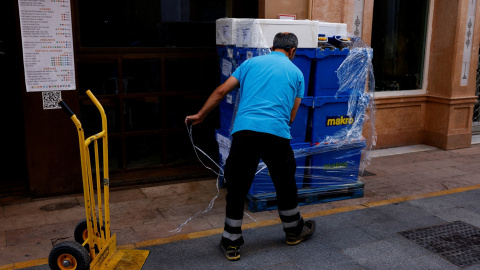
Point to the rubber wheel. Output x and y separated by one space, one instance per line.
80 234
69 255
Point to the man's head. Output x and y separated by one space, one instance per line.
287 42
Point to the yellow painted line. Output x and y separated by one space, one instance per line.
421 196
201 234
333 211
31 263
259 224
26 264
194 235
161 241
7 267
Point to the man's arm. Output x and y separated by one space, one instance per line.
296 104
213 101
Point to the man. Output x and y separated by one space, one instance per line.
271 89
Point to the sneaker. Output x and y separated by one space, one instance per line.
232 253
308 230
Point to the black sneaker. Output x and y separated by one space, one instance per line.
308 230
232 253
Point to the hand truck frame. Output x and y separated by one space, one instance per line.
94 246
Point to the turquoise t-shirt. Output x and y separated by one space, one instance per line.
269 85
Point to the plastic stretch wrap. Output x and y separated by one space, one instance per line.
259 33
333 142
242 33
330 157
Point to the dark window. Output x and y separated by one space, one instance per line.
147 92
398 40
148 23
11 75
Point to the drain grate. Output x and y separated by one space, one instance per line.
456 241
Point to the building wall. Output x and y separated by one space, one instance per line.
439 116
270 9
446 97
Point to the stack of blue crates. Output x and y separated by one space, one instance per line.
231 56
322 115
334 159
228 64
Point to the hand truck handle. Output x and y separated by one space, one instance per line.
65 108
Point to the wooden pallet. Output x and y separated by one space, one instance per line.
306 196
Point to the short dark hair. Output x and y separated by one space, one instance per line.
285 41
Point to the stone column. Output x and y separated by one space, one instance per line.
451 75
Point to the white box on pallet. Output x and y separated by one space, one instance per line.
259 33
332 29
225 31
247 34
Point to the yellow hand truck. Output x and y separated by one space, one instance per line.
94 246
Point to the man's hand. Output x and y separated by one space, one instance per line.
193 119
214 99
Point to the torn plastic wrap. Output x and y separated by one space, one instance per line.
356 75
340 131
333 132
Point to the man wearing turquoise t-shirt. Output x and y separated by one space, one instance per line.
271 89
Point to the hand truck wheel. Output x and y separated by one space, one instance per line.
69 255
80 234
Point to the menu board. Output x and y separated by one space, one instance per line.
47 45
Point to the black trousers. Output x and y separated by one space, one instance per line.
247 148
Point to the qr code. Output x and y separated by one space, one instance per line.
51 99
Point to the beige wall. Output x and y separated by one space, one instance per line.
450 105
341 11
442 116
270 9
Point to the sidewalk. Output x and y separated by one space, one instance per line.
420 188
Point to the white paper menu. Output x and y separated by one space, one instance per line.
47 45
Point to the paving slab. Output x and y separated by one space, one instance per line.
407 191
41 205
53 232
367 238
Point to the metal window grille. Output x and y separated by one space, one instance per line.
476 108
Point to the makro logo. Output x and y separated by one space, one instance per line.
335 166
340 120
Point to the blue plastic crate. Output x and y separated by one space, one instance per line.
243 54
226 59
262 182
224 141
334 164
303 60
226 116
330 115
298 129
325 81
